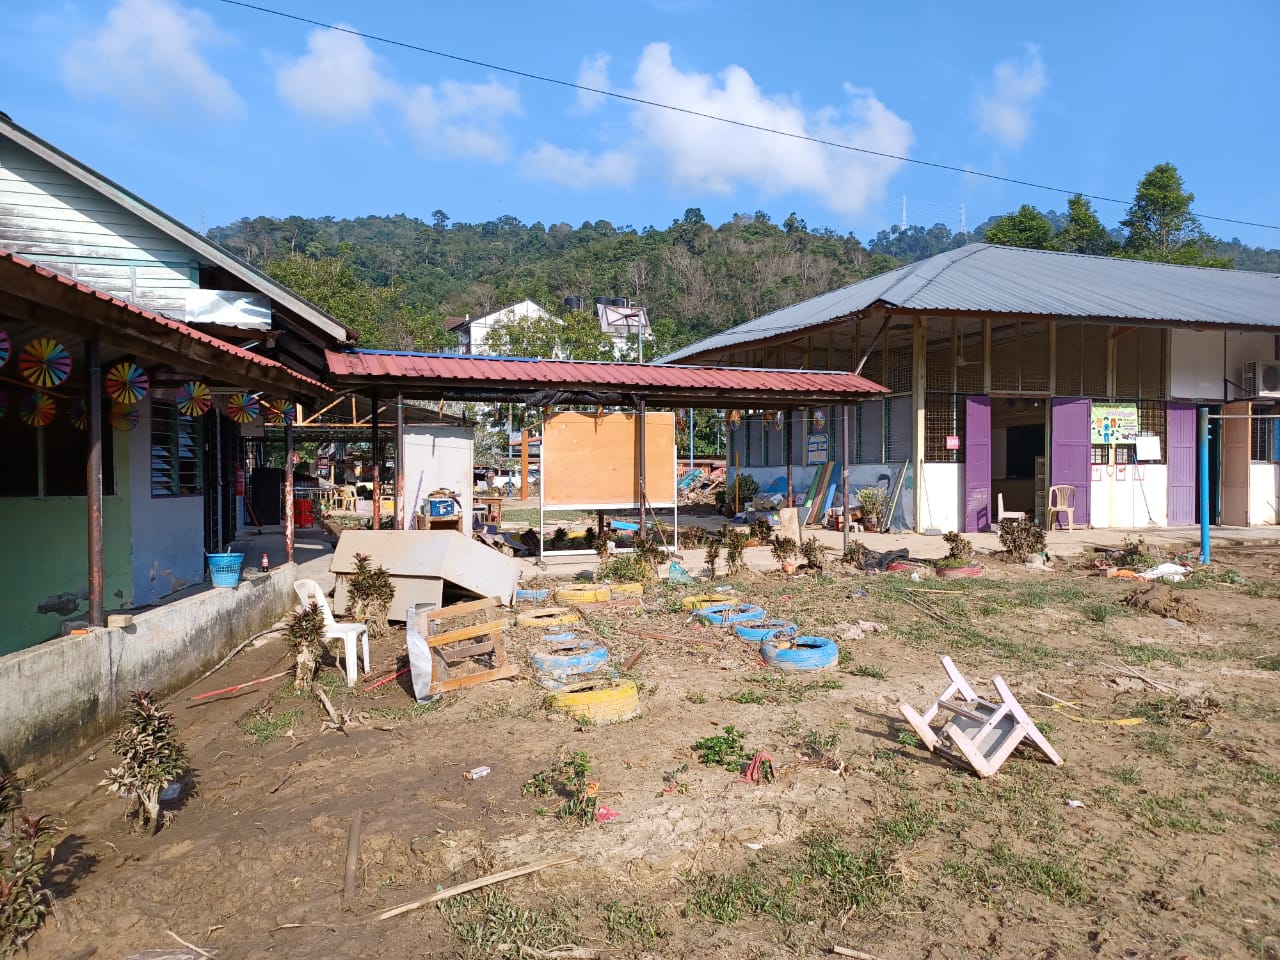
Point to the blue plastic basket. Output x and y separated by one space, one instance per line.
224 568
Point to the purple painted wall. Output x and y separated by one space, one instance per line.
977 464
1182 464
1069 453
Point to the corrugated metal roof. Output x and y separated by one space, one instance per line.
995 279
380 364
161 319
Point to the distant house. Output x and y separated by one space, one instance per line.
95 270
624 322
1013 371
472 333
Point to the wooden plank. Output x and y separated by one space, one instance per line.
458 654
461 609
475 885
466 633
471 680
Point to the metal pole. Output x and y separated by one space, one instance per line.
93 483
844 472
400 511
377 469
1202 437
692 427
288 492
640 429
790 444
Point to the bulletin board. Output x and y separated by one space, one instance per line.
590 462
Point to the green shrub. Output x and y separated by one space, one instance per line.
150 756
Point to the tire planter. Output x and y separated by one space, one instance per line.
570 659
534 596
700 600
949 572
547 617
583 594
800 653
612 701
768 630
627 589
726 614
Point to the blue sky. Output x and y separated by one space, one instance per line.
214 112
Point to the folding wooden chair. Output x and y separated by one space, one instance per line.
978 734
433 651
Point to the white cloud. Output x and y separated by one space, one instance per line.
338 78
577 168
461 118
1005 111
593 72
711 156
149 53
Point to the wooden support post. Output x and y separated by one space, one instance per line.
400 512
844 473
524 464
789 441
93 482
377 467
288 492
640 460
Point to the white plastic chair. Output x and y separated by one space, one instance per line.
309 591
1003 514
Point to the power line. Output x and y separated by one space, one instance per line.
511 71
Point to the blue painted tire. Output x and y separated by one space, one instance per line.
769 630
800 653
532 595
592 655
724 614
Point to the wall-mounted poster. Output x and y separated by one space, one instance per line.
1113 423
816 449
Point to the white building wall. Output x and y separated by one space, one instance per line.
943 499
1196 365
438 457
1264 493
1243 347
1129 495
480 327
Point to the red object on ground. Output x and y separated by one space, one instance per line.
606 815
303 513
375 686
757 771
240 686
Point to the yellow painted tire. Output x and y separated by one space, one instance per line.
700 600
583 594
627 589
618 701
546 617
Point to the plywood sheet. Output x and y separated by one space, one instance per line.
441 555
592 462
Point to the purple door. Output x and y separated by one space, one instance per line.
977 463
1069 453
1182 464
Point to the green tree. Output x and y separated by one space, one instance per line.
1161 225
1083 232
332 285
575 337
1027 228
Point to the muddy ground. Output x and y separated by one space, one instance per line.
899 855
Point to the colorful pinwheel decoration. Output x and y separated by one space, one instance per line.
79 414
127 383
734 419
44 362
194 399
283 411
818 419
5 347
37 409
124 419
243 407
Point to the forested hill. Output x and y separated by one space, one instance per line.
699 277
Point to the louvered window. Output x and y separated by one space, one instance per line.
176 453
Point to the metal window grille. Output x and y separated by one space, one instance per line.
1153 421
1100 454
1264 444
943 417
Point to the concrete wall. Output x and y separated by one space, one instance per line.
59 696
1129 495
943 499
44 563
1264 493
438 457
168 532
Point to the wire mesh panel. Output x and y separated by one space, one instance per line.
1069 360
943 418
1093 368
1033 356
970 355
1004 355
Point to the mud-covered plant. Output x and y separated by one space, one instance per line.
813 552
760 530
568 777
784 549
589 539
603 546
873 501
559 539
693 536
735 549
304 634
959 547
1021 537
150 757
714 545
25 845
371 592
855 554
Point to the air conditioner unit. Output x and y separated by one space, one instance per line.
1261 378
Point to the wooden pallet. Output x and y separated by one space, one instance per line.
451 647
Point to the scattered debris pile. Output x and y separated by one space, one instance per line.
1160 599
699 487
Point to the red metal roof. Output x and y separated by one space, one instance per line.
376 364
232 349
